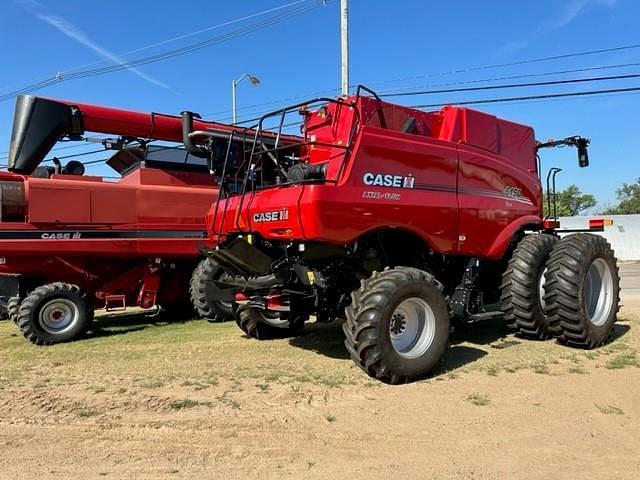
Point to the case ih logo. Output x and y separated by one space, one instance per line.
273 216
385 180
61 236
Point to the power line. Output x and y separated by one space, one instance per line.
462 82
170 53
516 63
531 97
173 39
513 85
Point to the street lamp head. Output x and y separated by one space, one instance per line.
254 80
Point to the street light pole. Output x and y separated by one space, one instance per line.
234 85
344 44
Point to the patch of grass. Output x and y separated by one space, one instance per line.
492 370
184 403
577 369
230 402
86 412
452 375
330 418
627 359
609 409
591 355
264 387
540 368
97 388
153 384
121 390
479 400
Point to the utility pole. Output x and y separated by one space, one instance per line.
344 44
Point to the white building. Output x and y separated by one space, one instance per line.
623 235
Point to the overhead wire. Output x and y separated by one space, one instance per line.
462 82
279 18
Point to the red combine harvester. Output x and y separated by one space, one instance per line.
70 243
401 221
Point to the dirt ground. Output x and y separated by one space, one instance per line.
139 399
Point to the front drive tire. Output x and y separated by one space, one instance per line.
522 287
202 297
398 325
582 290
54 313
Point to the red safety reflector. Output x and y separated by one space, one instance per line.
241 297
550 224
596 222
600 222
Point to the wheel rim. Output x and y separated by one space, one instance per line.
598 292
412 327
274 319
541 280
58 316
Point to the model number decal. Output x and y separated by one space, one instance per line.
513 192
272 216
380 195
61 236
387 180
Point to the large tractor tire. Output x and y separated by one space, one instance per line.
13 306
398 325
522 288
582 290
201 293
54 313
262 325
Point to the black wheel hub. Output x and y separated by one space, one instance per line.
398 323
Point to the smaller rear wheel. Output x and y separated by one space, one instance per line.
203 295
264 325
13 305
54 313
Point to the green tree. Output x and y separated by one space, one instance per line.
571 201
628 200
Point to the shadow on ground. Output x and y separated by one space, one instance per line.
327 339
108 325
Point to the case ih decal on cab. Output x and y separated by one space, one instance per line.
272 216
388 180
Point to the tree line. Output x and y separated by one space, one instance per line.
572 201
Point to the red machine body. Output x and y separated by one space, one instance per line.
130 242
462 181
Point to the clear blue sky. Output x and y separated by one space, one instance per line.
407 39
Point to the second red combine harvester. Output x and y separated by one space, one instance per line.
401 221
71 242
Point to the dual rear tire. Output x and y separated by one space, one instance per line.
565 288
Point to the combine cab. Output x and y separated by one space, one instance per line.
404 222
71 243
